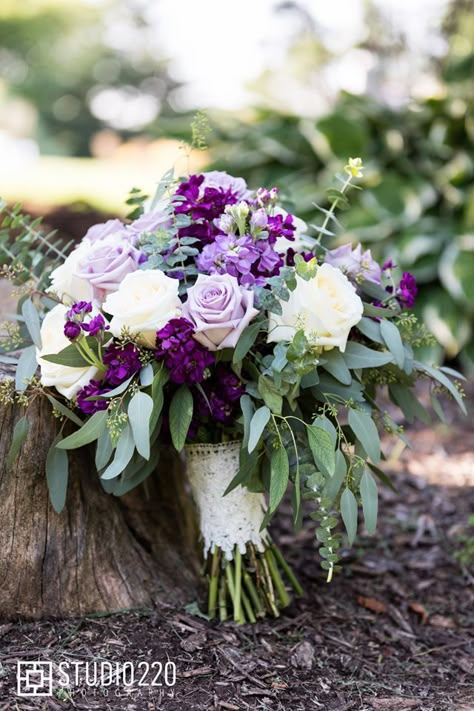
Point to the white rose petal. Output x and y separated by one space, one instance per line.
145 301
64 280
326 307
68 381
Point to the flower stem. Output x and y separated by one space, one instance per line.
212 602
230 585
276 577
222 600
248 608
253 594
287 570
238 582
268 586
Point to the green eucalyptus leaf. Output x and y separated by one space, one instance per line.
57 472
247 407
146 375
358 356
270 394
89 432
181 414
69 356
349 514
64 410
257 425
26 367
370 500
32 321
123 454
279 476
246 341
20 433
335 364
366 432
139 414
322 448
393 341
103 450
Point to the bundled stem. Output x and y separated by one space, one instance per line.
249 586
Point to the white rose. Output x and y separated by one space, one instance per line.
326 307
64 279
65 379
145 301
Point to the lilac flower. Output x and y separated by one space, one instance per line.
72 330
355 264
266 197
96 325
259 219
407 291
122 362
183 356
270 261
228 254
94 388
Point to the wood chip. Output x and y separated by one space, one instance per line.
442 621
420 610
372 604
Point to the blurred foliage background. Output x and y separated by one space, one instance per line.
96 97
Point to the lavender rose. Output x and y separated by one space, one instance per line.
107 263
103 229
220 309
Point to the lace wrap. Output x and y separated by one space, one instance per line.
225 521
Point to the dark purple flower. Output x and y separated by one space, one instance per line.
79 309
388 265
407 291
266 197
95 326
94 388
183 356
291 253
203 205
122 362
72 330
280 226
222 392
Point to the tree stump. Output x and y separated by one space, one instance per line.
102 553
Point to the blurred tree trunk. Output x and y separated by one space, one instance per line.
102 553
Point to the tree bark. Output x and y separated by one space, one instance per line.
102 553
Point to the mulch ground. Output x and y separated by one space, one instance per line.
393 632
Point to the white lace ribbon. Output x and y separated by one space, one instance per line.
225 521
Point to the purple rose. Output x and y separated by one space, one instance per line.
103 229
355 264
107 262
219 309
148 223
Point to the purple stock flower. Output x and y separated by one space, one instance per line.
407 291
92 389
280 226
203 205
72 330
388 265
228 254
95 326
355 264
183 356
79 309
222 392
122 362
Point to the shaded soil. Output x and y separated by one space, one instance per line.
394 631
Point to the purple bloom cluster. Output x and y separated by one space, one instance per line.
92 389
223 392
122 362
203 206
75 323
185 358
407 291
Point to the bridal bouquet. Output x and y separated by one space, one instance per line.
213 323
